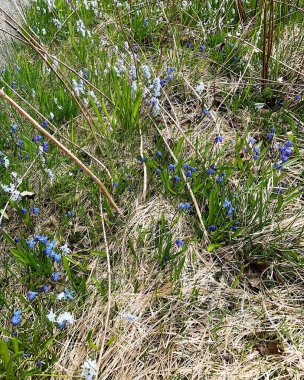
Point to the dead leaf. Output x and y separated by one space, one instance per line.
28 194
273 347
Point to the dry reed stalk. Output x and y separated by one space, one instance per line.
62 148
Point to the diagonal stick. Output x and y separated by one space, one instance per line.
61 147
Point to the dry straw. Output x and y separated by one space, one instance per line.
62 148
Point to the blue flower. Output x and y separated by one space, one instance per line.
159 153
55 276
158 171
270 136
23 211
85 73
176 178
187 206
179 243
185 166
202 47
16 240
115 184
56 257
68 294
14 128
226 203
45 146
42 239
206 112
35 210
182 206
230 211
251 140
31 295
219 179
212 228
218 139
142 159
44 289
44 124
37 138
234 228
170 71
188 45
163 82
69 214
272 130
16 319
278 166
210 171
188 173
171 167
31 243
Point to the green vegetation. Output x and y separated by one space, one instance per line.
190 114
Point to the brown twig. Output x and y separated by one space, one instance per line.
61 147
241 10
101 351
267 38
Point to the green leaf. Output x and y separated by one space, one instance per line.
178 146
90 342
212 247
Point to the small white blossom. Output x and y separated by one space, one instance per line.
51 316
89 369
65 249
61 296
65 318
200 88
57 23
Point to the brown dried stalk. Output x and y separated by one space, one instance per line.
267 37
241 10
61 147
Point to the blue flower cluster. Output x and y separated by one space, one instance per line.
49 247
285 152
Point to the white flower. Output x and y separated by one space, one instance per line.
51 316
57 23
65 249
6 162
259 106
50 4
65 318
50 173
200 88
89 369
81 27
129 317
52 115
146 71
61 296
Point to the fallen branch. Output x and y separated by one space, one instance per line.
62 148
